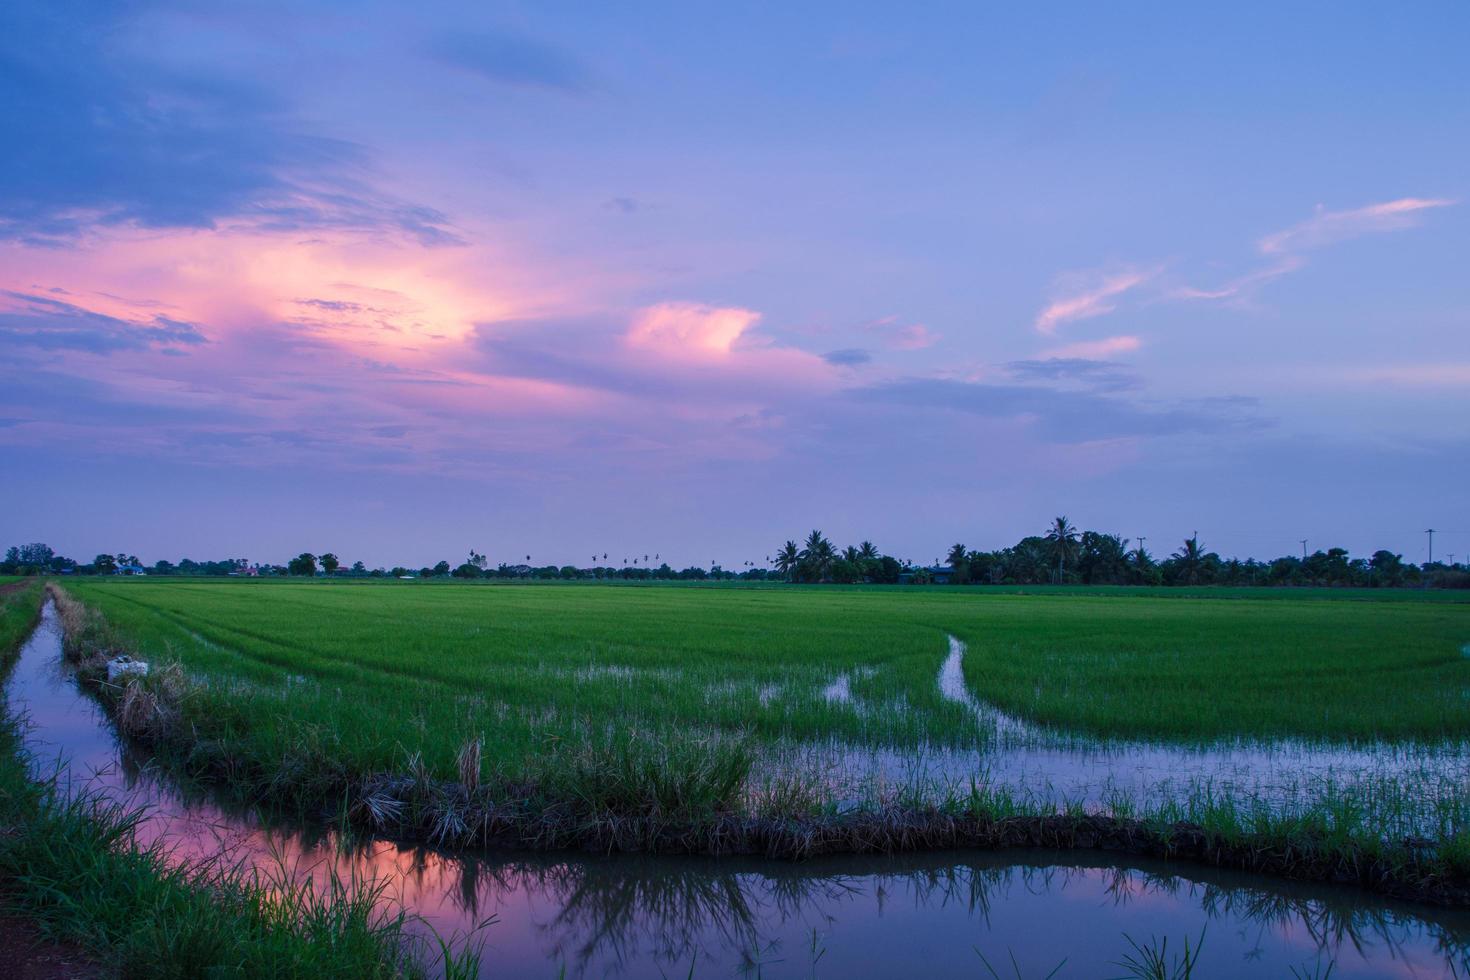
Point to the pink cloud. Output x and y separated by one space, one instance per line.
1241 285
1089 302
1093 349
690 329
1326 227
903 336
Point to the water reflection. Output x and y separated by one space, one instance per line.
850 916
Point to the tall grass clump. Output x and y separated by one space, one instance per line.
70 862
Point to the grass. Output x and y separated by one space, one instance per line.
70 863
640 718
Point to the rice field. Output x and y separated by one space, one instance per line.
595 708
796 663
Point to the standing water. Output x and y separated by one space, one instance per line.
944 914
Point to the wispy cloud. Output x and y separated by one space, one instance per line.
512 59
96 143
1286 248
848 357
1327 227
40 322
1106 347
1441 375
897 335
1092 300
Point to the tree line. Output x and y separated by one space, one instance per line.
1063 554
1066 555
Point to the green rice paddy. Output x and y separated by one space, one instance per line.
613 714
425 665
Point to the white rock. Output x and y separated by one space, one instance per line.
125 667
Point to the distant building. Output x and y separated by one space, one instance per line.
131 570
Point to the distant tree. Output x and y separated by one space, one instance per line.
1102 559
1387 568
330 563
1027 561
358 568
817 557
1190 560
885 569
959 560
1144 570
427 572
477 559
104 564
302 564
466 570
787 560
28 559
441 569
1063 538
398 571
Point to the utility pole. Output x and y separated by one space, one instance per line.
1141 539
1430 532
1304 549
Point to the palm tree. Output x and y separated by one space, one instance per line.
1191 559
1063 538
868 552
818 555
956 556
787 558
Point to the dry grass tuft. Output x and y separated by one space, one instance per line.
468 764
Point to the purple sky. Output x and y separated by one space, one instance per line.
396 282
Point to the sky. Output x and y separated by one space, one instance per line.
397 281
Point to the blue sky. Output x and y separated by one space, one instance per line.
561 279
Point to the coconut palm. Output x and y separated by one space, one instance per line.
817 556
1191 559
1063 537
787 558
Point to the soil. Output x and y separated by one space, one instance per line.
26 955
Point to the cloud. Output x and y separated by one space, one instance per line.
1103 375
93 141
897 335
683 329
848 357
624 205
1093 300
512 60
1105 347
1064 415
1285 248
49 324
1328 227
1448 374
